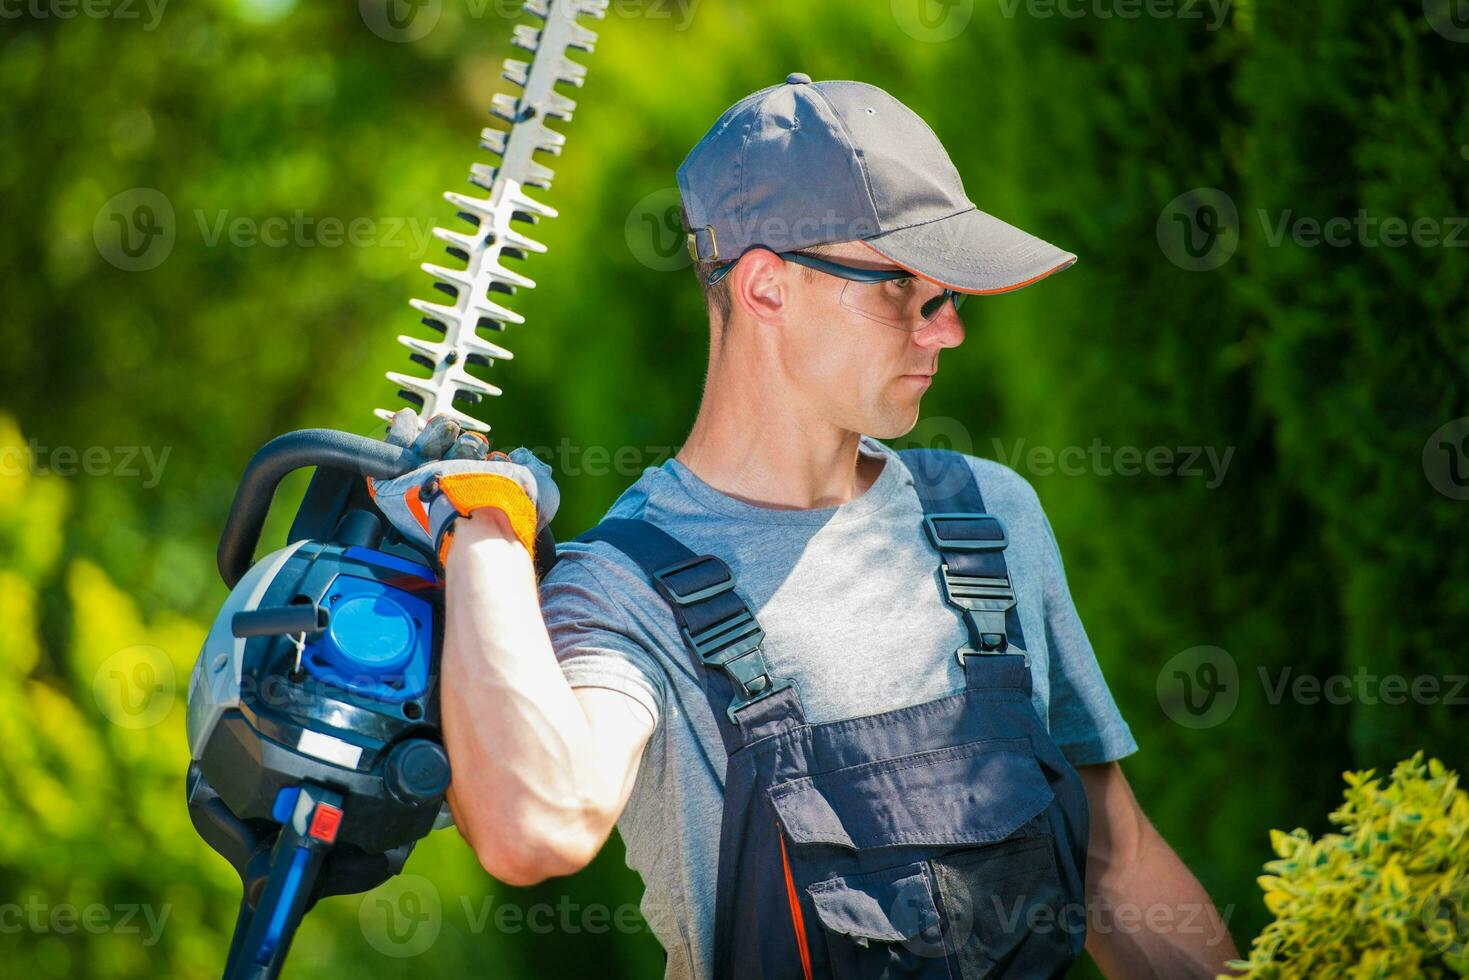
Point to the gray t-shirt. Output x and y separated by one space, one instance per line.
849 600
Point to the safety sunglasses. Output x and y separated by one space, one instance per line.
895 297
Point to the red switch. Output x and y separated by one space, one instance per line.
324 822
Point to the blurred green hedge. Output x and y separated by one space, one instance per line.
1321 373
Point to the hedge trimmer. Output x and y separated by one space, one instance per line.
317 760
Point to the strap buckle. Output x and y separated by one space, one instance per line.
985 600
968 651
694 249
665 579
966 532
732 645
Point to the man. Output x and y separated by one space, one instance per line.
838 700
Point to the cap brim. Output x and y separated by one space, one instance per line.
972 252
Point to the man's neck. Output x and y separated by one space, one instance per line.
756 444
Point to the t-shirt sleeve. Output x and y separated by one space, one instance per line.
1085 721
593 636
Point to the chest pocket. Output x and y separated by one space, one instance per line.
935 864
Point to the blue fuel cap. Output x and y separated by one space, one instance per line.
373 630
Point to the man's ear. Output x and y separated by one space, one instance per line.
759 286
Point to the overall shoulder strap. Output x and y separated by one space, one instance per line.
714 620
972 542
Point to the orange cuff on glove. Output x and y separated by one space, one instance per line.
469 492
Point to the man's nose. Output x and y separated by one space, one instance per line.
944 330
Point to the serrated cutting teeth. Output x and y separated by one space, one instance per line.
480 347
493 140
483 310
526 37
483 175
516 71
484 280
572 73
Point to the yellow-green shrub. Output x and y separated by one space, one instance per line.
1386 897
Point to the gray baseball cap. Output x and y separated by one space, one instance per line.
810 163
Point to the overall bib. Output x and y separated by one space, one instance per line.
940 840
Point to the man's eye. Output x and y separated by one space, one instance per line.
902 285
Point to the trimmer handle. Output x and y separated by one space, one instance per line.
342 451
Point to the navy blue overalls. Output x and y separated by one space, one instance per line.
945 839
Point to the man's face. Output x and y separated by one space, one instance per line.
850 369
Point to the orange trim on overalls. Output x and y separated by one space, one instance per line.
797 920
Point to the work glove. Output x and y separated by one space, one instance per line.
461 476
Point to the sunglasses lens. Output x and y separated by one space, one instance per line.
907 304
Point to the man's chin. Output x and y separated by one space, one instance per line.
898 421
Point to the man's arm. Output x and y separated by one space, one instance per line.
1147 916
541 771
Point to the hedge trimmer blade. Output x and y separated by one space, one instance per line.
479 288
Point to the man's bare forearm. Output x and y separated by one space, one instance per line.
529 794
1148 916
1154 919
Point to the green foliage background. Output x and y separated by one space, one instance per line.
1326 549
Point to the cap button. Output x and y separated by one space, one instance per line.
798 78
